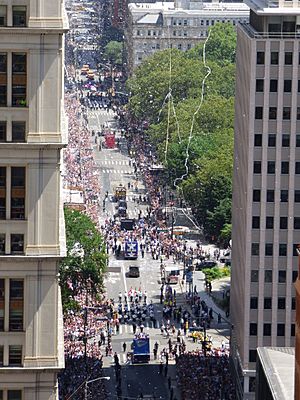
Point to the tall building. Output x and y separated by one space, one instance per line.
266 185
32 242
179 25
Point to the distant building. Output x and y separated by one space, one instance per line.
180 24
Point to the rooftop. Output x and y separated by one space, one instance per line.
272 7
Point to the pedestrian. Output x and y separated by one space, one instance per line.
134 328
124 347
116 359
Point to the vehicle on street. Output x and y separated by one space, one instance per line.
127 224
122 212
206 264
134 272
119 193
141 350
131 249
171 274
122 203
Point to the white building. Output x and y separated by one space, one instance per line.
180 24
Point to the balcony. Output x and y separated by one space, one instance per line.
254 34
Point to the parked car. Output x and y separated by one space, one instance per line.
206 264
134 271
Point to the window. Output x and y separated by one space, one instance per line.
14 395
283 222
17 243
258 112
287 85
260 57
281 276
257 167
280 329
282 249
256 195
298 86
2 243
1 363
3 79
297 196
2 193
297 140
15 356
268 249
270 196
253 329
271 140
268 276
254 275
284 167
255 249
274 57
19 79
273 85
253 303
296 223
292 329
267 330
272 112
257 140
19 15
2 131
18 131
293 303
286 113
298 113
271 167
3 15
269 222
295 247
297 167
281 303
16 304
17 193
285 142
294 276
268 303
284 196
252 356
288 58
255 222
259 85
2 303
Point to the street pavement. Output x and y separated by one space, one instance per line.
115 168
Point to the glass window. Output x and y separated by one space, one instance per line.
297 167
259 85
257 167
297 140
274 57
281 303
255 222
268 303
253 303
2 243
14 395
271 167
281 276
254 275
256 195
19 15
273 85
272 112
268 249
280 329
292 329
255 249
268 276
2 192
1 365
3 79
2 303
258 140
297 196
285 167
260 57
3 15
271 140
18 131
19 79
267 330
287 85
288 58
16 304
253 329
298 113
2 131
285 140
270 196
282 249
17 243
296 223
269 222
258 112
286 113
293 303
18 192
252 356
283 222
284 196
15 356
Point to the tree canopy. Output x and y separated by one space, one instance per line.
113 52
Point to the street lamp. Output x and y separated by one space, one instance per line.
105 378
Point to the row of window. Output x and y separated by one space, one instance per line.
17 65
268 276
285 140
267 329
15 301
281 303
274 58
273 85
271 167
270 196
18 131
273 113
269 249
14 356
11 394
17 192
16 244
283 224
19 16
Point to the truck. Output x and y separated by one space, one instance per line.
131 249
141 350
127 224
119 193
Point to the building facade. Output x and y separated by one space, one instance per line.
32 134
180 25
266 185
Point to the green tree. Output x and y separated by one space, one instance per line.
85 263
218 218
113 52
221 45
